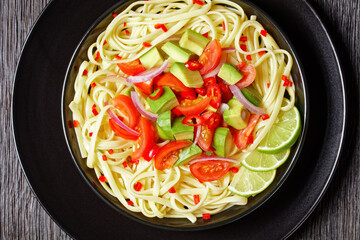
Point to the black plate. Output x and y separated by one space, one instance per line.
224 217
54 178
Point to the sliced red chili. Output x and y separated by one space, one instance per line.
124 24
261 53
104 157
162 26
193 65
110 151
127 32
158 93
193 121
102 179
223 25
263 32
206 216
248 57
268 85
265 116
250 140
105 42
114 15
124 164
93 85
146 44
118 57
75 123
198 2
234 169
213 91
85 72
90 134
196 199
208 81
172 190
95 112
206 34
243 47
97 56
130 203
201 91
138 186
243 39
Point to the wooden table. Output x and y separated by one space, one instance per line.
336 217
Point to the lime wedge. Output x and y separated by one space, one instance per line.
260 162
283 134
247 183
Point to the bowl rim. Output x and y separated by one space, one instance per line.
208 225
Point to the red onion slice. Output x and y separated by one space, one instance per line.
197 134
217 69
213 158
116 78
223 107
241 98
148 74
149 115
228 50
121 124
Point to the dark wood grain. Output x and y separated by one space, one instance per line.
336 217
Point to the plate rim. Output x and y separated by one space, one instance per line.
308 212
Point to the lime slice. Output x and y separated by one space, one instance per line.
283 134
247 183
260 162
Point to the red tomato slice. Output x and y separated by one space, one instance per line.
211 170
212 121
132 68
210 58
249 74
173 82
125 105
146 87
146 139
121 132
193 107
169 154
241 136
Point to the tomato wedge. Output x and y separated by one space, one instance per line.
192 107
176 85
211 170
146 87
146 139
132 68
212 121
210 58
241 136
125 105
169 154
121 132
249 74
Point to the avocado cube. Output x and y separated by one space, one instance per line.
222 142
189 78
193 41
165 102
187 154
176 52
182 131
237 115
152 58
163 124
230 74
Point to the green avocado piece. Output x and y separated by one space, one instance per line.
126 91
222 142
252 95
230 74
237 115
187 154
152 58
176 52
193 41
163 124
165 102
191 79
181 131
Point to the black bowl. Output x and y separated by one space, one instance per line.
223 217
